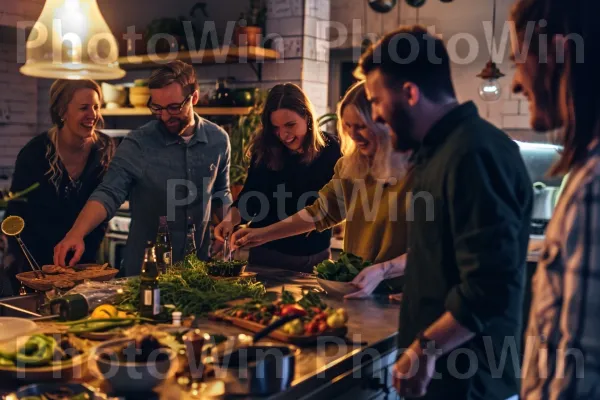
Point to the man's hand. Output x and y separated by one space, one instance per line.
70 242
248 237
414 370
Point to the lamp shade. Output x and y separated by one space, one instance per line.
71 40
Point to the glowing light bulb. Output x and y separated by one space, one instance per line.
490 90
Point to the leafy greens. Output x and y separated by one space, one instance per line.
343 270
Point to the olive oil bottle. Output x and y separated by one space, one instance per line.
149 290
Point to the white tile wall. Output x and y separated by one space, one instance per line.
322 49
317 92
515 121
310 48
524 107
315 71
310 27
323 10
510 107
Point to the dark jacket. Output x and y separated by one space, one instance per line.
271 196
48 213
472 201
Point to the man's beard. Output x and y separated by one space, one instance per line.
402 126
179 127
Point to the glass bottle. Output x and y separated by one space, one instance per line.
149 290
190 244
164 250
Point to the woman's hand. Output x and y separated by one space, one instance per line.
366 281
71 242
369 278
224 230
249 237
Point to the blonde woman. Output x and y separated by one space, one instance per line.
68 161
368 191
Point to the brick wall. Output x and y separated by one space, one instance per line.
305 51
18 94
18 102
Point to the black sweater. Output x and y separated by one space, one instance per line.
49 214
270 196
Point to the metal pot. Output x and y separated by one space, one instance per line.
247 368
257 369
544 200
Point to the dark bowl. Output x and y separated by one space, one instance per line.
132 376
225 268
60 390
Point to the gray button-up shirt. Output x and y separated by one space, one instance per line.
162 175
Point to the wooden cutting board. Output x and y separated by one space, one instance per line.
279 335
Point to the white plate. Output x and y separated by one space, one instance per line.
11 327
15 331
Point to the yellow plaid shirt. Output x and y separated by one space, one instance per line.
562 352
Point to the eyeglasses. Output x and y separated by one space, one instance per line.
172 109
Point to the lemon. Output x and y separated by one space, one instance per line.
105 311
13 225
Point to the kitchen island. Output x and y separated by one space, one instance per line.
356 368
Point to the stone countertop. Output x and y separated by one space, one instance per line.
373 320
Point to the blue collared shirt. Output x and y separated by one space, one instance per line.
162 175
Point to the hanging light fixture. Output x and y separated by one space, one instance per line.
490 89
71 40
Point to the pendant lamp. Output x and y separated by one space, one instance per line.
71 40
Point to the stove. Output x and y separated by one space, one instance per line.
538 227
116 236
119 224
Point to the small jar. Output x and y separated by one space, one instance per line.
176 318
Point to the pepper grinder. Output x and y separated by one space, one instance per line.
194 342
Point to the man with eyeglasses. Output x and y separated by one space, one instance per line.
176 166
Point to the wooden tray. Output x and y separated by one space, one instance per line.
31 280
278 334
243 275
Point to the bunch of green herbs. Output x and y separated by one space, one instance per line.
192 291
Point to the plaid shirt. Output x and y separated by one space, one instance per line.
562 353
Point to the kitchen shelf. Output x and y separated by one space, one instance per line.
131 111
253 55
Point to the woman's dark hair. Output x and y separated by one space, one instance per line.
574 85
266 147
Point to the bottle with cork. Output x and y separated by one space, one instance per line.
149 290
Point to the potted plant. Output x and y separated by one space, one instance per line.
240 134
251 25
